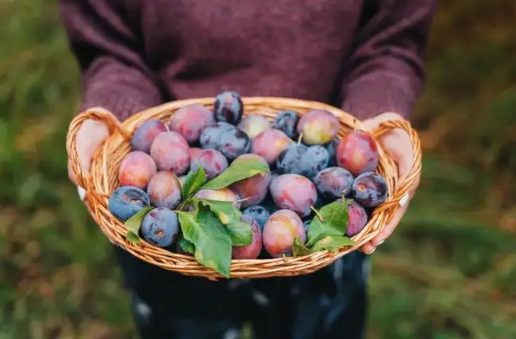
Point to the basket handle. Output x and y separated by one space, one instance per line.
107 118
415 170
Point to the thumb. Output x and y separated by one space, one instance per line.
89 137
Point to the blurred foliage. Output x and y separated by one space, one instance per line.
447 273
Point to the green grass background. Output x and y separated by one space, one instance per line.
449 272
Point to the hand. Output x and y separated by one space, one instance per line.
89 137
397 144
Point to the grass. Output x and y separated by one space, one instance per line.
447 273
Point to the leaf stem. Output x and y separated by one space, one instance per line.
300 139
317 213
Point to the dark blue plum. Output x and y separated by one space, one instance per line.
233 143
160 227
290 160
315 159
228 107
286 121
302 160
258 213
210 135
126 201
370 189
332 152
334 182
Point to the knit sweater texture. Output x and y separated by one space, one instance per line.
364 56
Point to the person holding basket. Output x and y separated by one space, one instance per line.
364 56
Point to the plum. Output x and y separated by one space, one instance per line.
171 152
357 219
190 121
213 162
126 201
210 136
370 189
357 152
228 107
145 134
289 161
160 227
280 231
332 152
258 213
233 143
269 144
194 152
254 124
318 127
252 190
136 169
251 251
294 192
333 183
164 190
286 121
315 159
222 194
302 160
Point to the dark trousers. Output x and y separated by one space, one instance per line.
328 304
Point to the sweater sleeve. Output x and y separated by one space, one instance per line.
385 72
114 74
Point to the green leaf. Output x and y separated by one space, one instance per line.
240 232
335 221
318 229
210 238
186 245
193 182
336 215
237 171
133 224
332 243
224 210
131 237
298 249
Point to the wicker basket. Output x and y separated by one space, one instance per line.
102 180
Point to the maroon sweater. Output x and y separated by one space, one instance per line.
362 55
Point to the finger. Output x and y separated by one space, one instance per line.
368 248
397 144
89 137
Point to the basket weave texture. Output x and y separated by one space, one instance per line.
102 180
